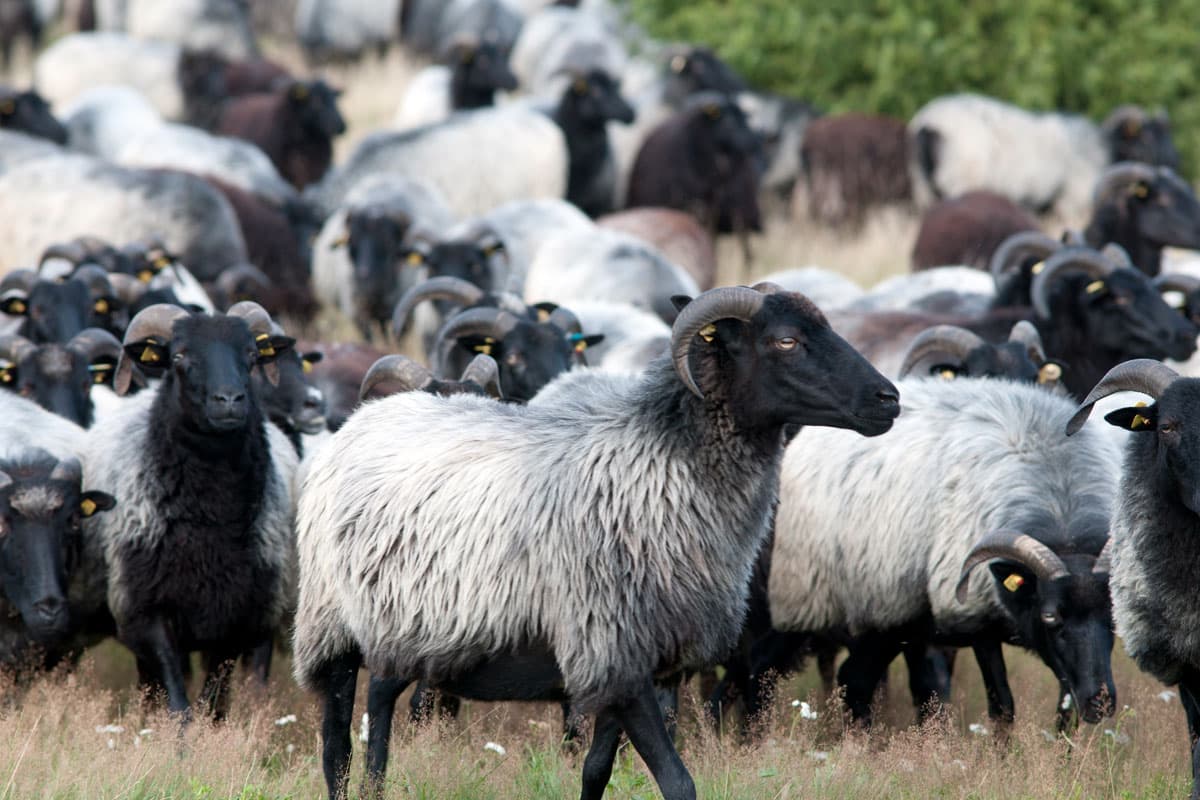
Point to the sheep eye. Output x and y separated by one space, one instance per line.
1166 427
786 343
1051 619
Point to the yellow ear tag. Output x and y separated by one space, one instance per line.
300 91
580 346
712 111
1014 582
948 374
16 307
1095 286
264 345
708 332
87 507
1140 190
1037 268
415 258
145 276
6 372
149 356
543 315
7 107
306 366
580 86
486 347
1049 373
101 306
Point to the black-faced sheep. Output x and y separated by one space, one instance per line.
59 378
471 74
691 449
26 112
55 310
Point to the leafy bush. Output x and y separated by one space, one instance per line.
1086 56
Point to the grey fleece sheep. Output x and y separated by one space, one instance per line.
880 547
630 556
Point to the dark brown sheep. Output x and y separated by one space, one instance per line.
676 234
704 160
967 230
276 243
294 124
254 75
852 163
339 375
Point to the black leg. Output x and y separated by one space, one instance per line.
827 653
995 679
642 720
668 700
259 658
928 677
572 725
336 683
155 648
381 707
864 670
425 701
218 667
598 766
1189 695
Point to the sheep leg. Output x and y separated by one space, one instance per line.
382 695
865 669
421 705
598 766
153 646
336 684
572 724
928 677
642 719
259 658
214 696
1189 695
995 679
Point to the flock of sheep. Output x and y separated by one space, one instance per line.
605 473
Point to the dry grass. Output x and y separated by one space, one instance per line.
60 746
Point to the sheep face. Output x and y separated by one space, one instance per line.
293 404
55 312
1169 435
40 510
787 367
376 243
1165 211
468 261
1009 360
1144 138
724 127
529 355
206 369
478 71
595 98
1068 621
59 379
700 70
27 112
314 104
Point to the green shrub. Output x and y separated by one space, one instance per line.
1086 56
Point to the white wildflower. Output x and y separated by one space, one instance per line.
795 704
1116 736
1167 696
288 720
495 748
362 733
1066 702
112 743
291 748
110 729
806 711
818 755
978 729
1048 736
145 731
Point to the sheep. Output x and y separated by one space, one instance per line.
343 29
338 374
184 147
59 378
19 148
358 263
294 124
1092 310
25 424
714 458
677 235
967 230
958 290
829 290
950 352
606 265
221 26
1153 552
1144 209
51 199
472 72
27 112
292 403
428 26
254 75
702 160
199 550
525 226
852 164
583 113
102 119
889 548
555 40
180 84
1043 161
392 374
633 338
477 160
55 310
51 578
782 123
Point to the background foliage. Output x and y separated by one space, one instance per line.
891 57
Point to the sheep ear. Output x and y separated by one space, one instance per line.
308 359
91 502
679 301
544 310
1136 419
269 347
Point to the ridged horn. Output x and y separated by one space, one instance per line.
1177 282
727 302
153 321
1014 546
1016 248
69 470
92 343
1118 178
1026 334
74 251
1062 262
14 348
1143 375
238 277
1103 565
483 371
443 287
494 322
18 281
95 277
127 288
398 369
949 339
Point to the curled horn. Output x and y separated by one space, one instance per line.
260 325
128 289
1103 565
14 348
1143 375
767 287
231 280
1177 282
1018 247
483 371
19 281
1062 262
1025 333
153 321
1118 178
1072 238
92 343
95 278
949 339
565 320
69 470
727 302
5 480
399 369
1015 546
494 322
443 287
74 251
